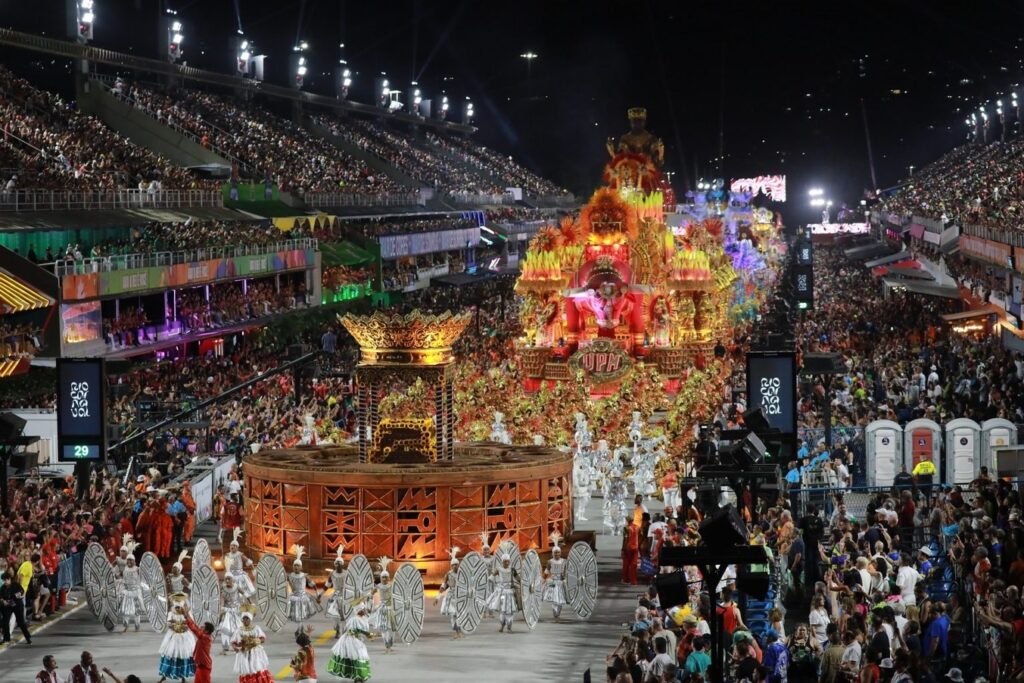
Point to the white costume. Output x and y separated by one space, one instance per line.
445 591
554 586
177 646
503 599
132 604
250 658
176 581
382 619
301 605
349 656
236 563
336 580
230 620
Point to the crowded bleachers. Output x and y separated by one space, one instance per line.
975 184
270 146
54 146
502 169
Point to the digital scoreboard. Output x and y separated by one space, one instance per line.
81 410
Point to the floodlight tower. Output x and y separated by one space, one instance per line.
299 64
441 107
416 100
467 111
81 17
173 33
382 91
248 64
342 75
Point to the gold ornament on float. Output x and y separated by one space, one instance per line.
412 339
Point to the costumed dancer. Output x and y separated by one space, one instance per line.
251 663
349 656
554 586
236 564
176 581
301 605
503 599
335 581
303 664
122 556
230 620
492 563
178 645
132 604
382 620
445 592
581 471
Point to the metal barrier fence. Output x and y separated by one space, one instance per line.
856 498
481 199
169 258
67 200
1013 238
344 199
840 434
69 572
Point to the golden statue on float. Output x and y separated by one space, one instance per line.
617 282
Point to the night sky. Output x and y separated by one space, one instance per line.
778 85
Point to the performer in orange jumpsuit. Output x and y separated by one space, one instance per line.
190 505
164 530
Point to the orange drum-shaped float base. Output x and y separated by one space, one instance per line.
322 497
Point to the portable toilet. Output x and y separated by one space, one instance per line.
922 440
963 450
883 448
995 433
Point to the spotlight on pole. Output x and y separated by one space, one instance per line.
416 101
382 90
175 37
441 107
84 18
299 64
467 111
815 192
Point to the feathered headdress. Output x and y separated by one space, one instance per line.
384 562
338 559
235 533
298 551
130 544
556 539
454 554
247 609
485 541
181 558
126 540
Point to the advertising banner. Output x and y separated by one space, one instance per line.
113 283
397 246
839 228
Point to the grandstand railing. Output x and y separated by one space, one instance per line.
96 264
481 199
1012 238
556 200
345 199
93 200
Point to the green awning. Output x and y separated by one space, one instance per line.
344 254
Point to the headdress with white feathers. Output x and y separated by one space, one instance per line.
454 553
298 550
384 562
181 558
555 541
235 533
338 559
485 541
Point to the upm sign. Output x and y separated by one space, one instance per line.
602 361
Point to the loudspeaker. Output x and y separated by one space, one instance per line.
755 421
724 529
11 426
672 589
824 364
753 583
750 452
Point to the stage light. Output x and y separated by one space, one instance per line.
815 192
304 45
178 39
176 27
245 44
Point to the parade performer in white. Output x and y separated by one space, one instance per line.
301 605
503 599
382 620
230 620
251 663
335 581
132 604
176 581
349 656
178 644
554 585
446 592
236 564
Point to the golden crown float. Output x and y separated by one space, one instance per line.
617 286
405 489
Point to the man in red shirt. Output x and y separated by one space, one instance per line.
630 552
201 654
230 518
907 510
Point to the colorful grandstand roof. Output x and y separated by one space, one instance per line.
16 296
